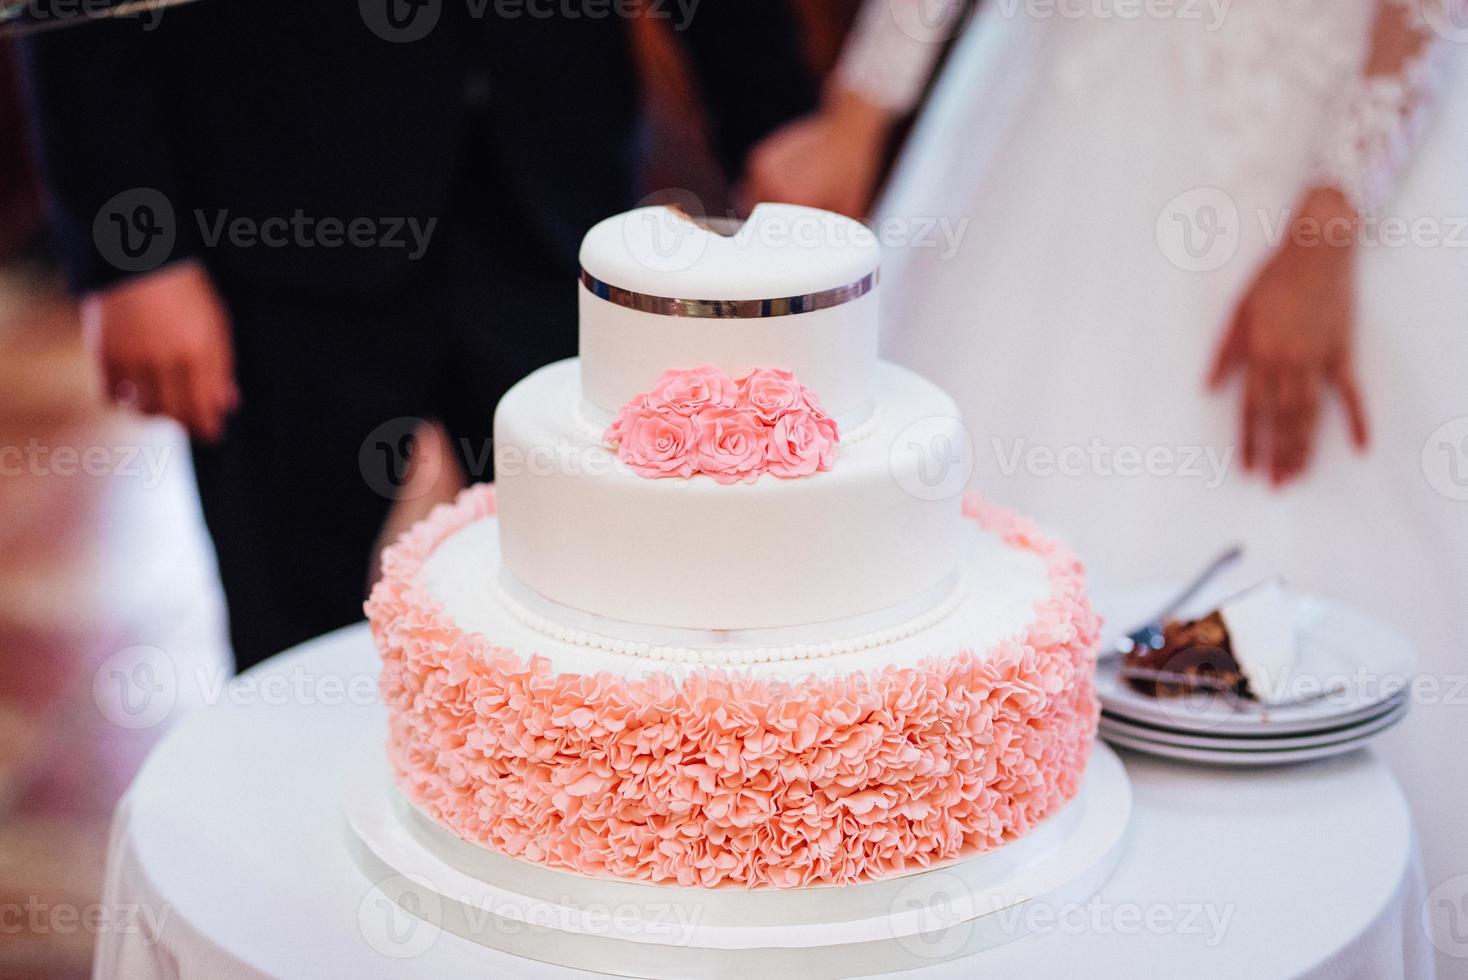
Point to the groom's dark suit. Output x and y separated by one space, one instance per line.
469 152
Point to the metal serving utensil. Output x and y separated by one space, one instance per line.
1149 634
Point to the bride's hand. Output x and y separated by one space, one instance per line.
830 159
1292 339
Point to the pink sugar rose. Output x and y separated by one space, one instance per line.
613 434
801 443
771 392
731 444
656 442
688 391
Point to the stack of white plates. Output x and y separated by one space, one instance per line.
1351 684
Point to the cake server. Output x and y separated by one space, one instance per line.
1149 634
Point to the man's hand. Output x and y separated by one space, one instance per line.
1292 339
829 159
163 342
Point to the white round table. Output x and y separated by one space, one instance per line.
229 858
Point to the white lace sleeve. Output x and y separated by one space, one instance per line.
892 48
1375 122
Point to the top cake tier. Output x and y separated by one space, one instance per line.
791 287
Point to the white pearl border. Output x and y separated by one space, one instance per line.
752 655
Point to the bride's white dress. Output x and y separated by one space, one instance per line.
1115 183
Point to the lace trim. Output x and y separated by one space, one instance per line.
1377 120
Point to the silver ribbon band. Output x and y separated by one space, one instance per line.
729 309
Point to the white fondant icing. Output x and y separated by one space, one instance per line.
1261 630
729 647
583 531
1002 586
781 251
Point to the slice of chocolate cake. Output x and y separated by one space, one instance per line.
1196 655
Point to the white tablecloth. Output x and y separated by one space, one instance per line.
229 860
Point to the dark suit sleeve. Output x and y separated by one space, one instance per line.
97 103
747 56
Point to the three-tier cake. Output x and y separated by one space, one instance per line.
726 618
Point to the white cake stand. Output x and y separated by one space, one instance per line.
955 909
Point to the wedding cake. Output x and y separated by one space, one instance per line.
726 620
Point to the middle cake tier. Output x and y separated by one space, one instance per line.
871 534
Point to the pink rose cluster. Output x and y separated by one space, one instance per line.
700 420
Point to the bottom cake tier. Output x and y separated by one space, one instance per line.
948 732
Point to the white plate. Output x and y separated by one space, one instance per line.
1243 743
1225 757
1350 665
1263 732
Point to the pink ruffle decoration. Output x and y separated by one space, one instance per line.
724 779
